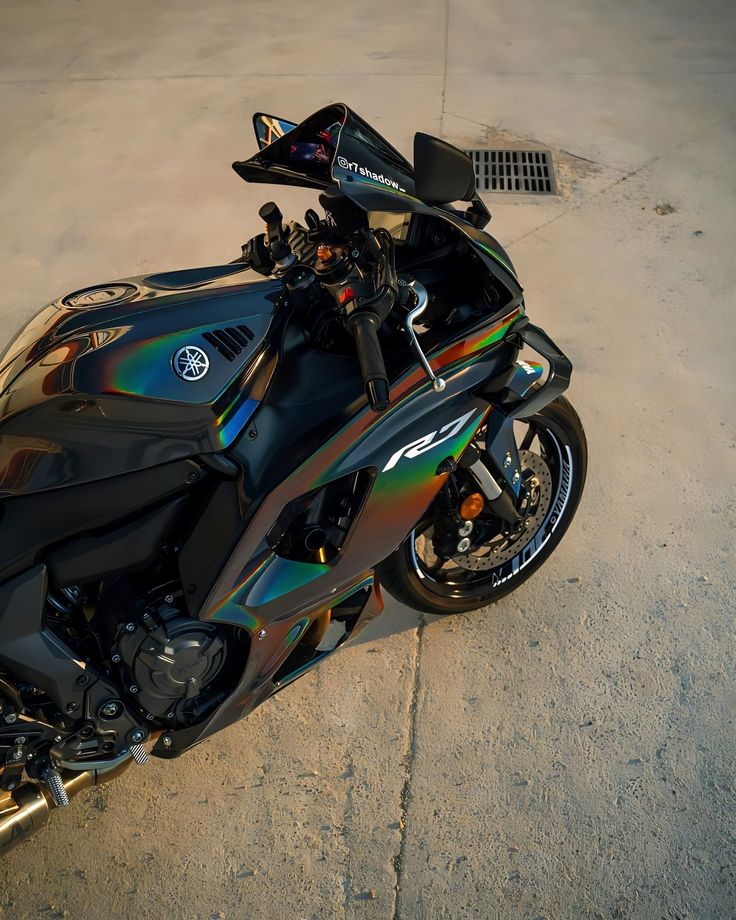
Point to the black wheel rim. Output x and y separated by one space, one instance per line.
453 580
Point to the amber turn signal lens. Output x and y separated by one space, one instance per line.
472 506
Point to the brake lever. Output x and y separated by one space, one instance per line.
438 384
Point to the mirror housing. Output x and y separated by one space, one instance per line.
442 173
269 127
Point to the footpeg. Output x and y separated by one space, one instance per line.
140 755
55 785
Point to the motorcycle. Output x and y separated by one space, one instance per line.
202 488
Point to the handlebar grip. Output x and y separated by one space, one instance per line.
270 213
277 236
363 324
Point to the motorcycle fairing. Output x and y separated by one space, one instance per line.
270 647
254 583
365 441
329 140
276 599
90 391
369 171
525 375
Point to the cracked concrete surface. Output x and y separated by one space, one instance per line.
407 791
568 753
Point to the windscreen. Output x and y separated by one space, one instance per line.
303 156
371 171
336 146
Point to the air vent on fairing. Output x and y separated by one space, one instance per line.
229 341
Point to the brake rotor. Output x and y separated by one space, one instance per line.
508 544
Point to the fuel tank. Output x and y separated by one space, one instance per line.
119 377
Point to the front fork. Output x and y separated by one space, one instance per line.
516 394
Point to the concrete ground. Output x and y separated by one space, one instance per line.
570 752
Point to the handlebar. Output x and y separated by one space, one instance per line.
363 284
277 238
363 324
365 320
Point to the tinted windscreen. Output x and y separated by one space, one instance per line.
336 146
306 151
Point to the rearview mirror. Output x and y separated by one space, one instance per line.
269 128
442 173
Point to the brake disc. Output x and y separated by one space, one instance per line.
508 544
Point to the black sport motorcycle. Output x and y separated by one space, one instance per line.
202 488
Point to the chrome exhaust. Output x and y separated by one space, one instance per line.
27 809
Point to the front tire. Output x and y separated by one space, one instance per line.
494 569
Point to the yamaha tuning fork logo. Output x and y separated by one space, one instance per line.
190 363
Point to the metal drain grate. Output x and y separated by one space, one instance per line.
520 171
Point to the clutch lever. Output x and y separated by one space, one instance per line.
420 292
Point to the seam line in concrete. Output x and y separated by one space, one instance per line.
444 65
628 175
348 813
406 790
215 76
533 140
589 73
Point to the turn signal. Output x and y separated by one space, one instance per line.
472 506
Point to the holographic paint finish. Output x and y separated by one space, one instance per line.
472 347
526 374
296 630
268 580
448 362
293 635
230 609
270 647
234 419
497 256
277 577
398 496
100 380
142 367
269 596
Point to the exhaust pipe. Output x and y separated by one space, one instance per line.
27 809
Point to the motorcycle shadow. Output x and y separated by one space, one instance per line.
396 618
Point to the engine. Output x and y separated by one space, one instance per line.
169 663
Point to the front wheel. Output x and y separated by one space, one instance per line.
554 457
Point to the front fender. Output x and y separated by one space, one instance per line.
523 396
